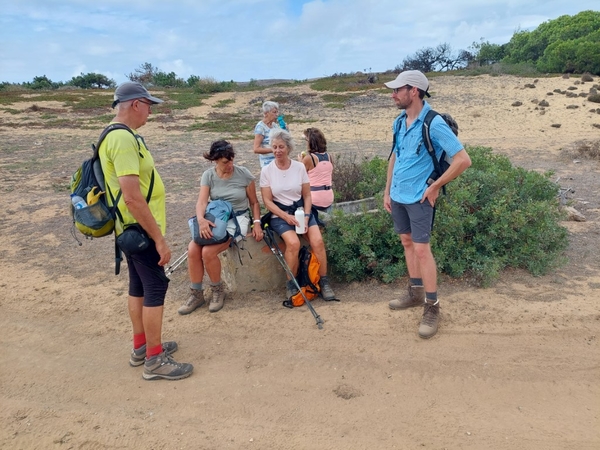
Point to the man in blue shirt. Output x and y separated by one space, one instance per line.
408 197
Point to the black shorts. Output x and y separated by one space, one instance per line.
416 219
146 278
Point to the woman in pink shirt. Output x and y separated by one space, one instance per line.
319 165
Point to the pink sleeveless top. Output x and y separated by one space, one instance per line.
320 181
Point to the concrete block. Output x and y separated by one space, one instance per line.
259 269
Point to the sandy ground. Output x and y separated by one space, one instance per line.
514 366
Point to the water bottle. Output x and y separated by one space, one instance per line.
78 202
299 215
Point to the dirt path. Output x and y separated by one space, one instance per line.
514 366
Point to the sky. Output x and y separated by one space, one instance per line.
245 40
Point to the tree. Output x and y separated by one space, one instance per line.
92 80
144 74
550 43
573 56
436 59
485 53
42 82
168 80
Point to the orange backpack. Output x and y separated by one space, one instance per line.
308 278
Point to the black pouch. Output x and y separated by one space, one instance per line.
133 240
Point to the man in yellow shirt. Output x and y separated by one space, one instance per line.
129 168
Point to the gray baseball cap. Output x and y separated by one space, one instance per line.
411 78
132 90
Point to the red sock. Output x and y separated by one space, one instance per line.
153 351
139 340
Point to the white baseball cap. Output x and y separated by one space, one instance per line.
411 78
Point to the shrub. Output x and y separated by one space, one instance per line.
495 216
587 149
210 86
354 181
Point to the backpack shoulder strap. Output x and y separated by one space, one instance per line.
394 138
108 129
427 138
96 148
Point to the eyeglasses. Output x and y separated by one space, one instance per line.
407 87
146 103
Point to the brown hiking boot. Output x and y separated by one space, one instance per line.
415 297
218 298
430 320
194 301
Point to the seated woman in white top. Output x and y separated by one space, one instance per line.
284 186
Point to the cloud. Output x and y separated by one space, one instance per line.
244 39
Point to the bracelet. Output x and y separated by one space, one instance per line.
306 215
256 221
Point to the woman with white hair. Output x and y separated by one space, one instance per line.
270 121
284 185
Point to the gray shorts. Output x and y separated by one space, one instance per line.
416 219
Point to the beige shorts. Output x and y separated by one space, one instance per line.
244 223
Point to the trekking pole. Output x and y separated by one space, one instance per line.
175 264
277 252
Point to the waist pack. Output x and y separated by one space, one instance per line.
133 240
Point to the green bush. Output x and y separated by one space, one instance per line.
92 81
495 216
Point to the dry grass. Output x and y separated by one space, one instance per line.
586 150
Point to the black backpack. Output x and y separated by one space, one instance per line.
439 166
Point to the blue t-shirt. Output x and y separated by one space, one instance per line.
413 164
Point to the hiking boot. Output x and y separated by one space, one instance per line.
326 291
290 289
163 366
138 355
194 301
415 297
430 320
218 298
